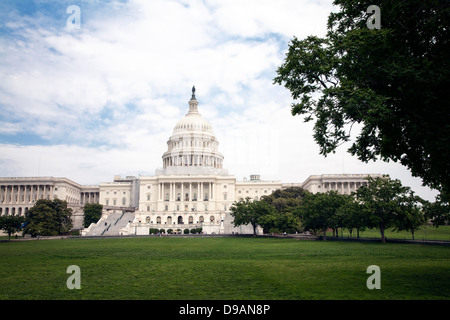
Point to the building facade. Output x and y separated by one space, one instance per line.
191 190
18 195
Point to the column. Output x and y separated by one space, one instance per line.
209 190
202 196
12 194
190 191
25 200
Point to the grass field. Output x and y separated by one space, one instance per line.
425 233
170 268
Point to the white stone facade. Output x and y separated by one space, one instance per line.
191 190
18 195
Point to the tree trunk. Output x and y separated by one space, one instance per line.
324 234
383 239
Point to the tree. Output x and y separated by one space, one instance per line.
391 82
438 212
49 218
250 212
412 217
11 224
387 204
352 215
92 213
285 202
319 211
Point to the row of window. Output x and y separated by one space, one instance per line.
179 220
114 202
186 207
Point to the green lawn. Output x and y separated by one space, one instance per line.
221 268
425 233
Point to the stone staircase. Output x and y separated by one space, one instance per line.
111 225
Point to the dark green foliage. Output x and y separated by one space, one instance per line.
11 224
392 82
92 213
48 218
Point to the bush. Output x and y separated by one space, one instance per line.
196 230
154 231
169 231
186 231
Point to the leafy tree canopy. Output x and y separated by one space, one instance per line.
391 82
11 224
48 218
92 213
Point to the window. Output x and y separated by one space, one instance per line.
212 218
191 220
124 201
114 202
149 196
200 219
158 220
147 219
148 208
225 196
166 208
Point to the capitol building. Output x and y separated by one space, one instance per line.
191 190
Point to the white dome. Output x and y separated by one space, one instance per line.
193 143
193 122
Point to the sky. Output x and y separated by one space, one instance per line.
93 89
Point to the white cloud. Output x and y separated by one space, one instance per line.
107 97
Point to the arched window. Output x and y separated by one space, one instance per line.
158 220
169 220
200 219
147 219
180 220
212 219
191 219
